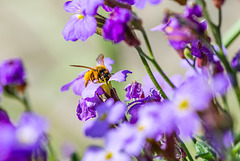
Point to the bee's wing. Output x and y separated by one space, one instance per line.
100 59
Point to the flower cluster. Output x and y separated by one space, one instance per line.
23 141
157 113
87 21
27 139
157 116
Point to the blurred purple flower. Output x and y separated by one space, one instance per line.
26 140
141 3
135 106
115 26
182 30
236 61
12 72
107 153
109 113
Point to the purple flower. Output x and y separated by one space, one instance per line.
24 141
109 113
135 106
4 119
236 61
130 2
86 108
91 94
116 25
1 91
126 138
109 153
134 91
80 26
198 49
141 3
182 30
193 95
193 10
12 72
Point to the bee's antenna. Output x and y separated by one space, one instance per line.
82 66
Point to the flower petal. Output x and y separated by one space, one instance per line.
79 28
120 76
90 90
73 6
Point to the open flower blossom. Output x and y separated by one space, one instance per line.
91 92
179 34
109 113
82 24
25 140
115 26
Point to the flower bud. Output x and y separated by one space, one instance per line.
218 3
187 53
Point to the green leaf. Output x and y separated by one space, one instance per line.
204 151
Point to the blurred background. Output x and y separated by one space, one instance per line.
32 30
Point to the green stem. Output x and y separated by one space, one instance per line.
165 77
147 43
26 104
153 61
141 54
235 149
231 34
224 98
186 149
51 154
217 35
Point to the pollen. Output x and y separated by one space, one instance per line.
184 104
104 116
80 17
108 155
141 128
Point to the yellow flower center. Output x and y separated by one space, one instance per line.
184 105
104 116
108 155
80 17
141 127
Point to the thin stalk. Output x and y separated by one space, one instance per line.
147 43
51 153
165 77
144 61
235 149
217 35
26 103
192 65
186 149
224 98
153 61
231 34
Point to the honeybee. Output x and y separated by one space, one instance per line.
98 74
